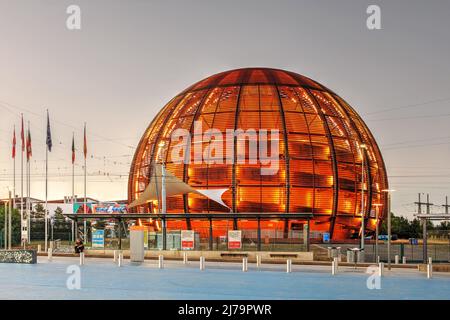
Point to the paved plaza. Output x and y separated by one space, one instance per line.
102 279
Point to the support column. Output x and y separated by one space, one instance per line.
235 226
286 228
76 229
164 233
424 243
210 234
259 234
308 236
120 234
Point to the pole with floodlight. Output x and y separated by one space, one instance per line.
389 226
377 219
362 147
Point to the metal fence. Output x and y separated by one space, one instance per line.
440 253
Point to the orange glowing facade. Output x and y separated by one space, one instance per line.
320 153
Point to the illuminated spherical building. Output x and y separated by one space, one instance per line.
322 143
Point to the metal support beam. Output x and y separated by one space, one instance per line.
286 228
120 234
210 234
308 236
259 234
164 234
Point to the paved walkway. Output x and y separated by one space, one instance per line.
102 279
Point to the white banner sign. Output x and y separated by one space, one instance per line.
187 239
234 239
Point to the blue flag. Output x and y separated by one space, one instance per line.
49 134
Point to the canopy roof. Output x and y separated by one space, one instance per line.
173 186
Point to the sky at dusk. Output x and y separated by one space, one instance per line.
132 57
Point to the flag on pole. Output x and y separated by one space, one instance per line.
49 134
85 142
22 136
73 149
14 144
29 151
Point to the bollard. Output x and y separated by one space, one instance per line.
404 260
115 255
396 259
288 265
202 263
336 265
430 268
258 260
185 257
160 261
50 255
81 258
120 259
380 269
39 248
244 264
333 267
378 259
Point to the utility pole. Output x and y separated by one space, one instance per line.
424 224
446 205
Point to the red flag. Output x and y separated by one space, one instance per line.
14 144
73 149
22 136
29 151
85 142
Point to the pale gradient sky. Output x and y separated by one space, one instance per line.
131 57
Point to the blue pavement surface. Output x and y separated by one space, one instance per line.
102 279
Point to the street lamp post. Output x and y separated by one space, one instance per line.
376 205
163 196
388 191
362 148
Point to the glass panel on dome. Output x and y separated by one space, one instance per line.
301 199
300 146
301 173
249 99
296 122
228 99
323 201
269 100
289 99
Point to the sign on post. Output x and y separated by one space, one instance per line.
234 239
187 239
98 239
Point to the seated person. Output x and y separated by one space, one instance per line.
79 247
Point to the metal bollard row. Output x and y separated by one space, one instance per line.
202 263
120 259
161 261
244 264
81 258
288 265
430 268
258 260
380 269
185 257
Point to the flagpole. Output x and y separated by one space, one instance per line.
85 200
73 182
21 184
46 184
14 169
29 185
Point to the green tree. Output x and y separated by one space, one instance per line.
15 224
59 214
